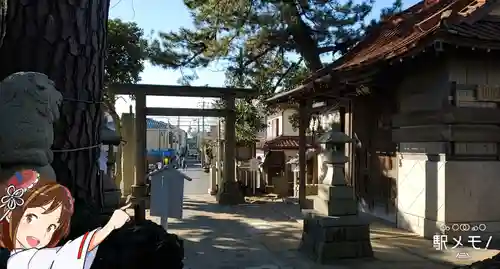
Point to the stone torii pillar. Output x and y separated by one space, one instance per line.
128 154
139 189
229 192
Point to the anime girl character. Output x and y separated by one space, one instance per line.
36 216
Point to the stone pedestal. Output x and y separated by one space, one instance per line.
333 229
329 238
213 180
230 194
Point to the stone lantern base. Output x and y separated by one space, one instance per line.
230 194
327 238
333 230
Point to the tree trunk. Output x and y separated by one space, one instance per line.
66 40
302 35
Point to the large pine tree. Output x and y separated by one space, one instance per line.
268 45
65 40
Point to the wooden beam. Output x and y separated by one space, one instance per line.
185 112
177 90
452 115
447 133
304 111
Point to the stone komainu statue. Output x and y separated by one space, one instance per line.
29 105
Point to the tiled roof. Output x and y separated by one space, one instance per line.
153 124
483 29
286 142
403 32
459 22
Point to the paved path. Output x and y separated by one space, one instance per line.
265 235
215 238
200 183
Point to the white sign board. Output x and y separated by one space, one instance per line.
254 164
167 194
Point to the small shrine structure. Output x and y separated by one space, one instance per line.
421 94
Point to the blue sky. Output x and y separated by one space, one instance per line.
164 16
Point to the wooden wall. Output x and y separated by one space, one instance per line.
375 154
439 110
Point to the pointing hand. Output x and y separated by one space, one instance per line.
119 217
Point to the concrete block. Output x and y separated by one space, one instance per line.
338 207
328 192
325 244
331 251
334 221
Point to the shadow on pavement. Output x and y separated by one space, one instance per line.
268 234
215 238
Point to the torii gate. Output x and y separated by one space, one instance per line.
228 188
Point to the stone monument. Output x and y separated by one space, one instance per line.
31 102
333 229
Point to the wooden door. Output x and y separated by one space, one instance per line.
383 179
383 170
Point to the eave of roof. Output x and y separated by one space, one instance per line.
286 142
429 21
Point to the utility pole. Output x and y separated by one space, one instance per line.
197 131
178 133
159 140
203 120
198 138
202 133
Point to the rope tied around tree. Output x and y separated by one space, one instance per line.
77 149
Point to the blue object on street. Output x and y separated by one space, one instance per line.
161 152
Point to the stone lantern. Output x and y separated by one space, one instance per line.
334 144
333 229
109 139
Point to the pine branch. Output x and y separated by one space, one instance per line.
285 74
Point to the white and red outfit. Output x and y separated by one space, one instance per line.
74 254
